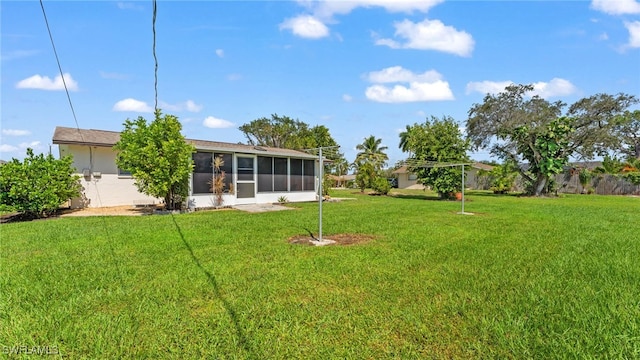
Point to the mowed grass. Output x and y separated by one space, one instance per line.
523 278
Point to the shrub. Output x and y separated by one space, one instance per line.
381 186
38 185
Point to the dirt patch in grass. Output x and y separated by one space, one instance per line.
126 210
340 239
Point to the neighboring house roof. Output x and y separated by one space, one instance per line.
405 170
91 137
482 166
586 164
401 170
342 177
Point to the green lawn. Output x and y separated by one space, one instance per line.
523 278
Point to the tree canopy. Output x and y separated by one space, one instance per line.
158 157
440 141
285 132
372 153
627 131
523 128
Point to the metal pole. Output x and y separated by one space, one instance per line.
320 197
462 188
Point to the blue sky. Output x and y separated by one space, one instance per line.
366 67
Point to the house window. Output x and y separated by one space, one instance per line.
413 177
272 174
303 175
280 178
265 174
124 173
296 174
203 171
309 175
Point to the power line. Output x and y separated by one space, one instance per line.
60 69
155 58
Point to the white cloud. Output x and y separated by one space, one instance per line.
328 8
191 106
604 36
188 105
399 74
15 132
33 145
616 7
306 26
487 87
113 75
319 13
17 54
554 88
45 83
430 35
128 6
5 148
634 33
416 91
215 123
234 77
134 105
347 98
220 53
428 86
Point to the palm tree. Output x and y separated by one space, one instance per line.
405 138
371 152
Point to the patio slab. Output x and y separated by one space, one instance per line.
258 208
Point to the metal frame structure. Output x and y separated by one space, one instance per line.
435 164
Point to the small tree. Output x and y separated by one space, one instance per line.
585 176
217 182
38 185
381 186
365 176
158 158
502 177
437 140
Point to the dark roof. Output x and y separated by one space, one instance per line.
74 136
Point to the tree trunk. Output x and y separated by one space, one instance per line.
167 202
540 185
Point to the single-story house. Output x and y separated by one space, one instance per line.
341 180
409 180
254 174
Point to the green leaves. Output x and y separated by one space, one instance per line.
437 140
523 128
157 156
285 132
38 185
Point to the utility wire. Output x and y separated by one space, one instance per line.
155 58
60 69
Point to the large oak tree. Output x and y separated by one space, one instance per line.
529 129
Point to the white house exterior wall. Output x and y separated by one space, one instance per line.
103 187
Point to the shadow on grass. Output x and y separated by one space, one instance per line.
216 288
418 197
